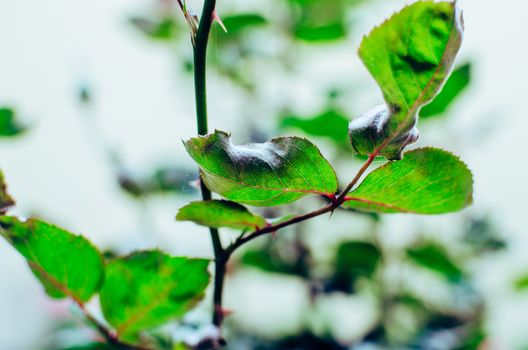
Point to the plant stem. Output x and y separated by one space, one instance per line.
222 255
200 78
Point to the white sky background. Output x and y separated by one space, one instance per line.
48 47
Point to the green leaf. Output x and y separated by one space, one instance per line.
455 85
67 265
240 22
330 124
5 200
8 124
277 172
426 181
433 257
147 289
410 56
218 213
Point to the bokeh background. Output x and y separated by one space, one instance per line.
98 96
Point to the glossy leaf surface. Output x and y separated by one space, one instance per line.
147 289
426 181
277 172
410 64
67 265
219 213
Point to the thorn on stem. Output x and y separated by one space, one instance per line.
218 20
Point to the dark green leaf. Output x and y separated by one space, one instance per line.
66 264
330 124
240 22
455 85
353 260
426 181
290 259
147 289
215 213
410 56
8 124
434 258
5 200
277 172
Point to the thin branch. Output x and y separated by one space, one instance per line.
328 209
109 335
342 197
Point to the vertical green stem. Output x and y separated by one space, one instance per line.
200 86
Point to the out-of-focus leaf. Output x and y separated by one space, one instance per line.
455 85
353 260
433 257
410 56
66 264
521 283
147 289
453 331
163 29
8 124
218 213
5 199
426 181
238 23
326 32
163 180
319 20
270 261
277 172
483 236
330 124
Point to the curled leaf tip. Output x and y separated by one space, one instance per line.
369 133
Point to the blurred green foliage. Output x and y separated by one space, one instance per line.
457 83
356 266
9 125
